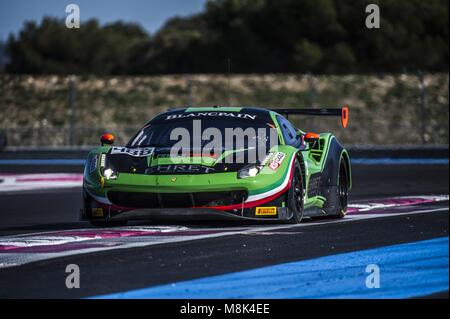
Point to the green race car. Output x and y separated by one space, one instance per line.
243 163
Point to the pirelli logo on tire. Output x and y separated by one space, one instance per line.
266 211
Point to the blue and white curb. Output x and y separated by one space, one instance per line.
406 270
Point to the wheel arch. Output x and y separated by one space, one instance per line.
299 157
346 159
336 155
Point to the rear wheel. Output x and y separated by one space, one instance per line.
343 190
337 199
295 196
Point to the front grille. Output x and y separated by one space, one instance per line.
176 200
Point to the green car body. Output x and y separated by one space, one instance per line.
144 187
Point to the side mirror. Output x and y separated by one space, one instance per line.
107 139
311 137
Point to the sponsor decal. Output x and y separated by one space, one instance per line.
214 114
277 160
97 212
103 160
179 169
266 159
266 211
93 164
314 183
135 152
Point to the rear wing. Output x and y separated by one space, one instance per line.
342 112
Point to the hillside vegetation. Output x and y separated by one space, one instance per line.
34 110
259 36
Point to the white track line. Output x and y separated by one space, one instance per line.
27 182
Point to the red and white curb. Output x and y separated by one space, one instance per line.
27 182
25 248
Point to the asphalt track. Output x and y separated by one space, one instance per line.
40 235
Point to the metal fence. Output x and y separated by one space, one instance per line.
64 136
355 134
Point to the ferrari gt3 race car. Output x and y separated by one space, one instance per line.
242 163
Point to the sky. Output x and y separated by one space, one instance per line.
150 14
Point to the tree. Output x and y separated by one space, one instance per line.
52 48
260 36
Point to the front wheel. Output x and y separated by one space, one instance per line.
295 196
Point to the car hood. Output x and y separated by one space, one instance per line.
159 161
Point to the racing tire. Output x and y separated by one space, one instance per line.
295 196
98 223
108 223
338 198
342 190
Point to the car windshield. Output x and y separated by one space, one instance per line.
227 134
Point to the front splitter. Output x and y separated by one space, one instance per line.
192 214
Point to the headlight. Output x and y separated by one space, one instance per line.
110 174
253 170
250 171
107 170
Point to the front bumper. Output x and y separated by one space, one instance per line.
94 209
261 198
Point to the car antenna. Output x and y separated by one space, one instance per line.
228 80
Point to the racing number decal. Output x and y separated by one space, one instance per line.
138 152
